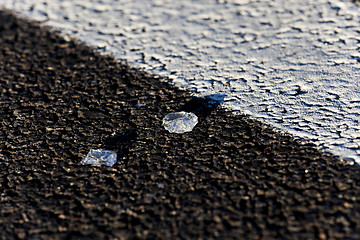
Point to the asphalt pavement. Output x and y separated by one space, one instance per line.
232 177
293 64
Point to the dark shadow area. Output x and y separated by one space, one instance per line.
120 142
203 107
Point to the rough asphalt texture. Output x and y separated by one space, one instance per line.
230 178
294 64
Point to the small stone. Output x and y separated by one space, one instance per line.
140 105
100 157
180 122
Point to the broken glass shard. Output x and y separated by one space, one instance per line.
100 157
180 122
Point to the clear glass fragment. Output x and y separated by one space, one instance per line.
180 122
100 157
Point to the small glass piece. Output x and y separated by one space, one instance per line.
100 157
180 122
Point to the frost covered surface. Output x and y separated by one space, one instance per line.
180 122
100 157
294 64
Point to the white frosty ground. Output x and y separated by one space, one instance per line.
294 64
